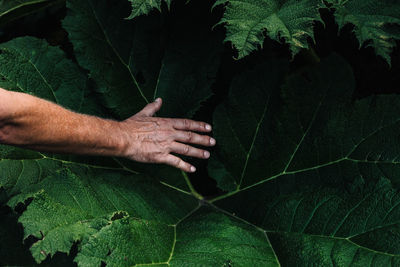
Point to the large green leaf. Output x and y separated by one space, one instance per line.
248 21
376 23
204 238
131 63
311 177
97 205
318 172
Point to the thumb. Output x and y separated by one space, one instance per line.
150 109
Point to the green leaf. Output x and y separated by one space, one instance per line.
32 66
91 206
14 9
70 203
324 224
143 7
316 171
311 176
376 23
78 201
206 238
132 65
241 128
248 21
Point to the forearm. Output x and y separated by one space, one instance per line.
30 122
34 123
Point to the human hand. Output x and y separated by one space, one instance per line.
152 140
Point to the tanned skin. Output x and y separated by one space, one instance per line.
30 122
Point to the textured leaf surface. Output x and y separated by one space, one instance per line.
78 202
248 21
26 67
320 172
109 211
143 7
376 23
311 176
205 238
132 66
65 208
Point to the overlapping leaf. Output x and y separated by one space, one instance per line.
321 172
247 22
132 65
311 177
97 205
376 23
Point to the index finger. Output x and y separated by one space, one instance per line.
191 125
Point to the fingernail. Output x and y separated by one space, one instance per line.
192 169
208 127
206 154
158 100
212 141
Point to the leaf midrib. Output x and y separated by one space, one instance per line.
253 142
37 70
347 239
24 4
116 52
347 157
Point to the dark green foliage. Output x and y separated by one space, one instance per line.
11 10
376 23
308 175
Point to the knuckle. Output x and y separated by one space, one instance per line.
165 147
177 162
186 150
162 121
186 122
150 158
202 153
189 136
159 158
156 124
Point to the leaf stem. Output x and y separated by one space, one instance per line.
189 184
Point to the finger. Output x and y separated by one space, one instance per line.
151 109
189 151
178 163
190 125
194 138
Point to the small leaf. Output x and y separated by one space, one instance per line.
248 21
143 7
376 23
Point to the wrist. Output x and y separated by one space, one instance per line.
123 143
